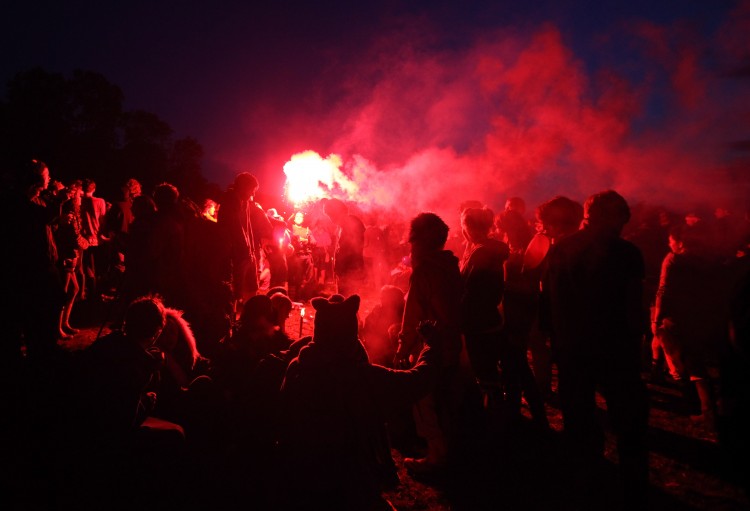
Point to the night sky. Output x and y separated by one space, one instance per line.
495 98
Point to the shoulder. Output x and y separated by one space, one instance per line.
629 249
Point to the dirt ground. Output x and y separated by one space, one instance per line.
513 466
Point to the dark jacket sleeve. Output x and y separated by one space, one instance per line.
394 387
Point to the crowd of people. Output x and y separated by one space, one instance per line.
199 388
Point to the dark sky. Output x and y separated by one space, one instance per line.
396 82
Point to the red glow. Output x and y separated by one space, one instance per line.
523 114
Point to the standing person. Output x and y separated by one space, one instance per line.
593 292
690 319
36 275
374 254
348 259
301 265
556 218
115 231
93 210
482 273
515 229
244 226
435 290
168 245
278 248
71 244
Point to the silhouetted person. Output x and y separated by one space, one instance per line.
482 272
33 269
168 245
71 245
690 319
115 400
116 223
276 250
382 325
334 454
348 261
243 226
301 263
511 222
556 218
140 274
734 367
435 291
593 289
93 210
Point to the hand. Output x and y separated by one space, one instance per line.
401 362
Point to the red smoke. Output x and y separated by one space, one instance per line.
425 129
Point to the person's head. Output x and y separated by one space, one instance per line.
89 186
145 318
606 213
471 203
209 209
75 190
245 185
40 169
516 204
559 216
677 239
427 233
476 224
258 316
298 218
37 178
131 189
336 210
391 297
143 207
336 327
282 305
166 197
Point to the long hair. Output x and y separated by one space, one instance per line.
184 332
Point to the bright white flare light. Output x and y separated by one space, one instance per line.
310 177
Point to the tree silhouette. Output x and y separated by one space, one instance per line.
77 125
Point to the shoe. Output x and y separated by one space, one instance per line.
63 336
69 329
423 466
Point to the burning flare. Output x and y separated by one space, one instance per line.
309 177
